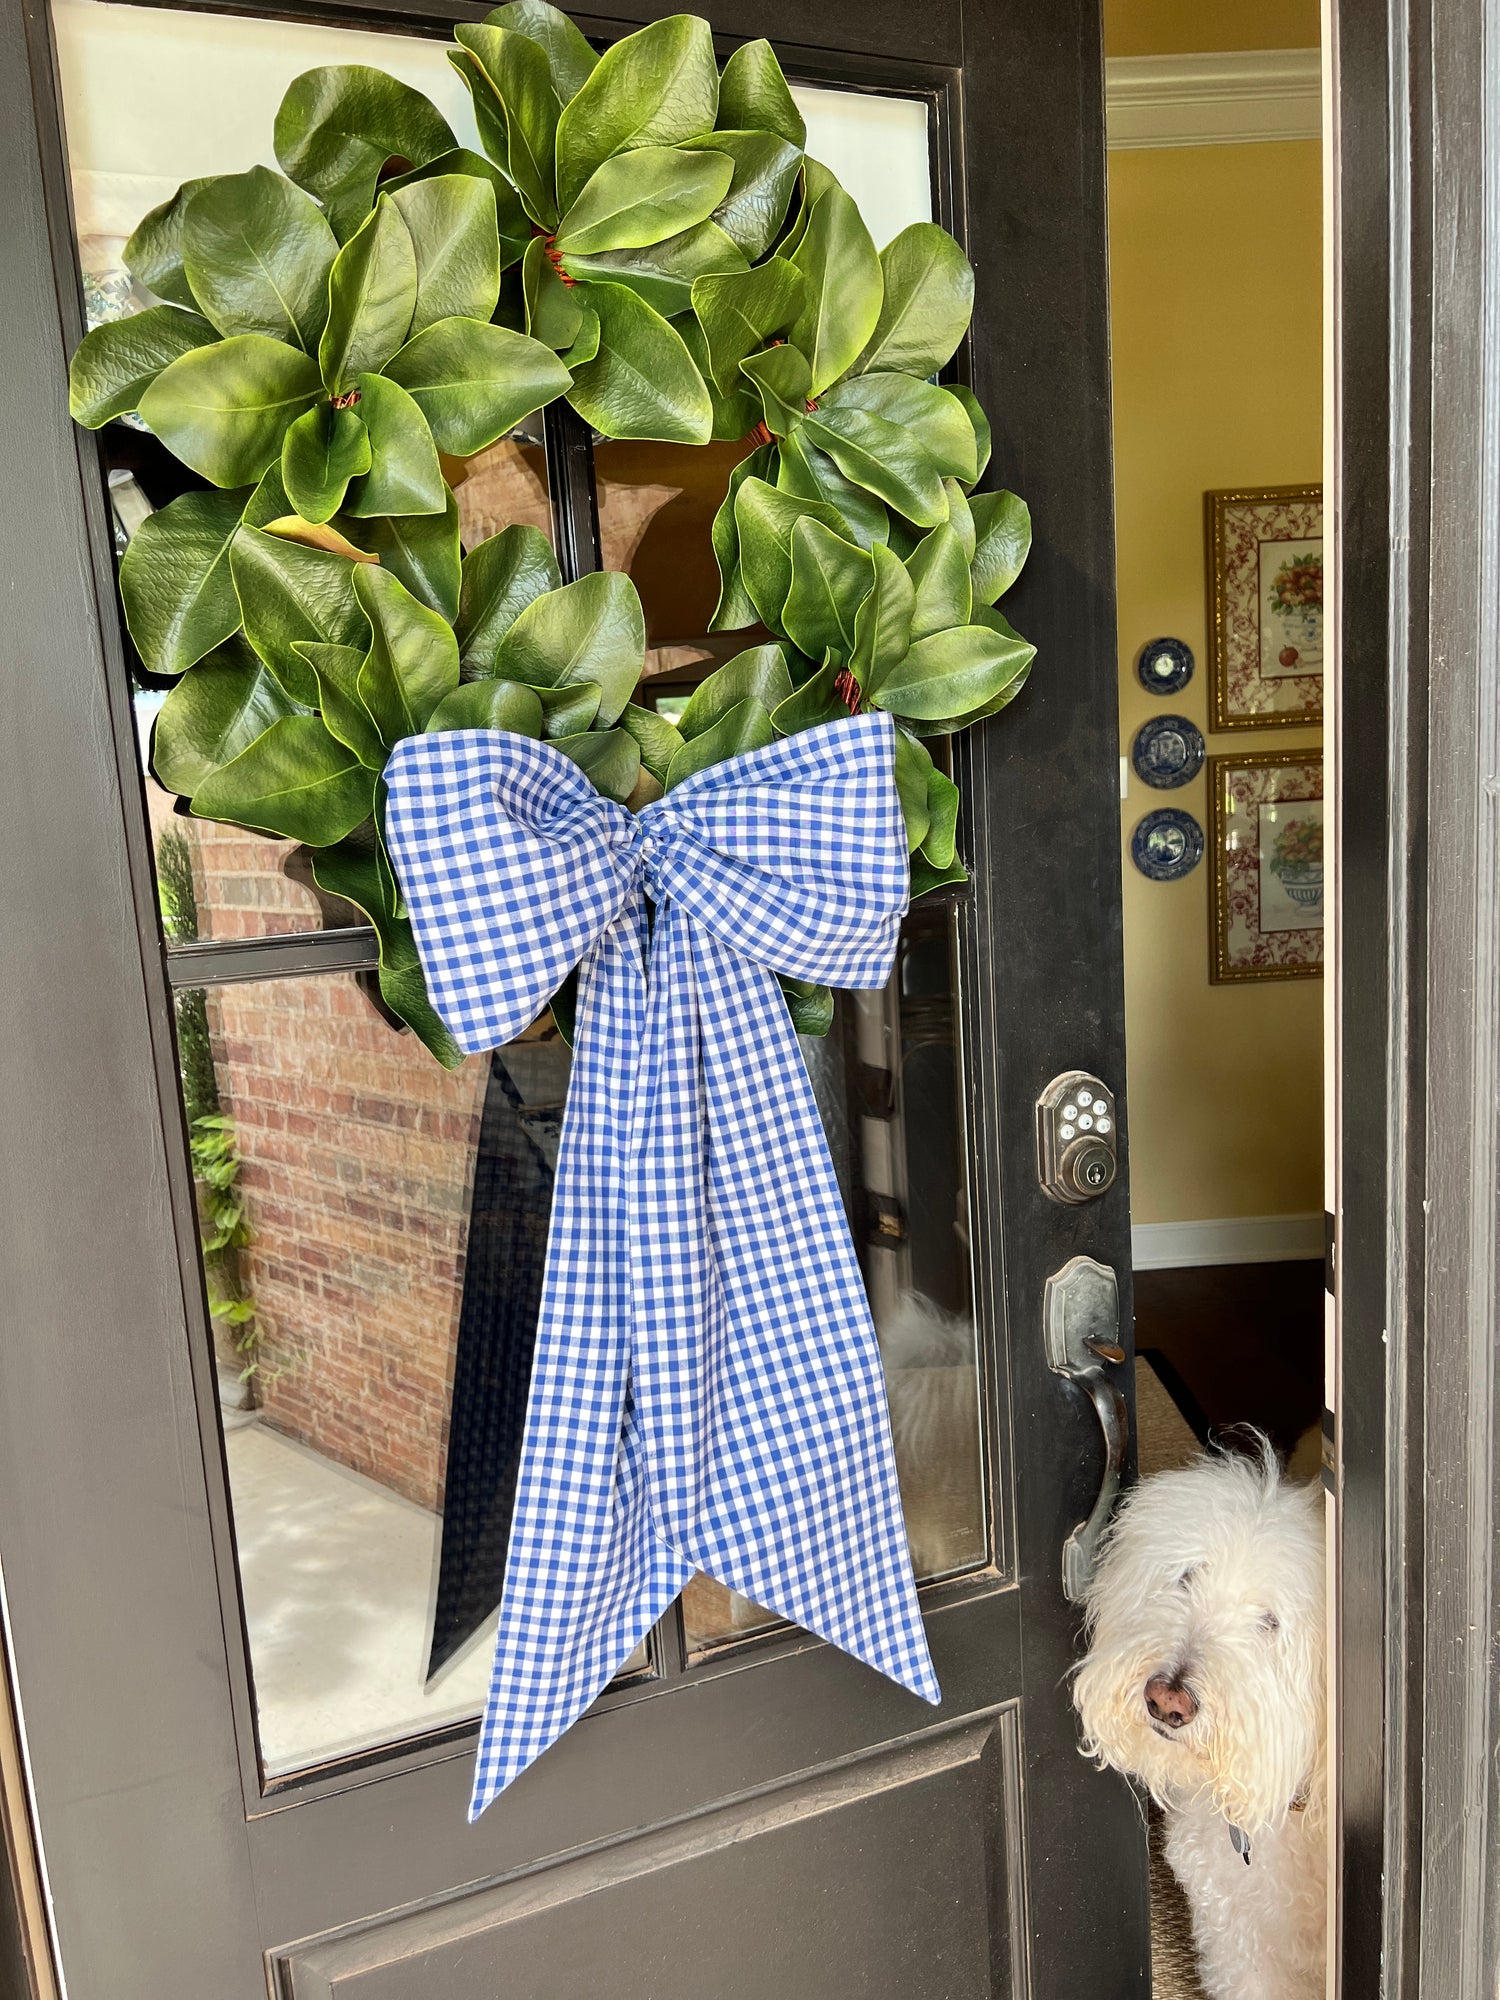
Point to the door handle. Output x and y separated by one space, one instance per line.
1081 1330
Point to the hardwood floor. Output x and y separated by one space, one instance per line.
1243 1341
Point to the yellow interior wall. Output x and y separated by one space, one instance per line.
1216 291
1180 27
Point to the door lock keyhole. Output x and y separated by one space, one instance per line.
1076 1145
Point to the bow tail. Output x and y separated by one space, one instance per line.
762 1397
586 1577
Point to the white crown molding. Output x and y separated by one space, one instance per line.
1230 1239
1238 98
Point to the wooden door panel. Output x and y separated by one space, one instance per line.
779 1890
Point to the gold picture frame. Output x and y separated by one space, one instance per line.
1264 549
1267 866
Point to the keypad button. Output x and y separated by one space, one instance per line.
1066 1132
1103 1124
1070 1112
1085 1121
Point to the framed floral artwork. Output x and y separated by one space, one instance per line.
1266 813
1265 606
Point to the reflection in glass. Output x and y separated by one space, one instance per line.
348 1154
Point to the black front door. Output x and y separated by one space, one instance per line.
220 1617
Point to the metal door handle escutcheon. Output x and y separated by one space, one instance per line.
1081 1329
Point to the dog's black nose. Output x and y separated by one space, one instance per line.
1169 1701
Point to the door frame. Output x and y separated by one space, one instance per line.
1416 338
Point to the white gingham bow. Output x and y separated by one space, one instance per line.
706 1391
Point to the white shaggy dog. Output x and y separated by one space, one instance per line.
1204 1681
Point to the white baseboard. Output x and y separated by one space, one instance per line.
1237 98
1230 1239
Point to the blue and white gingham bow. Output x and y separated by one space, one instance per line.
707 1391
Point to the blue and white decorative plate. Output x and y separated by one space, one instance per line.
1164 665
1167 752
1167 844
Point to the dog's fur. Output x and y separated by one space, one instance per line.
1214 1576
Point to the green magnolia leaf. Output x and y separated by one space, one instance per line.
657 87
952 674
739 313
765 519
339 126
405 477
746 726
1002 525
554 308
336 670
992 621
883 458
571 61
115 364
454 230
473 382
289 593
937 420
516 109
811 474
753 95
765 173
500 578
942 819
320 454
175 583
817 701
883 627
512 222
257 252
296 780
357 869
784 380
590 630
268 502
568 711
643 383
759 673
913 773
372 291
663 274
489 705
610 758
928 302
586 346
810 1005
153 256
657 739
642 197
925 877
940 571
831 579
735 608
980 422
961 519
224 410
816 182
735 415
422 550
413 658
844 287
212 714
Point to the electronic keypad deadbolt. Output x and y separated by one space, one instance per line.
1076 1151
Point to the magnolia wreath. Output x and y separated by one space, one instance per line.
645 237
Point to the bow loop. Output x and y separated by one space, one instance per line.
794 856
512 866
